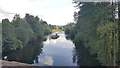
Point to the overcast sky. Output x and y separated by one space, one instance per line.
56 12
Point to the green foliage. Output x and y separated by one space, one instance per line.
96 28
69 28
22 27
0 38
44 39
54 36
21 31
52 26
47 29
9 40
36 25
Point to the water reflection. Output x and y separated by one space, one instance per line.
60 42
47 60
82 57
27 54
56 52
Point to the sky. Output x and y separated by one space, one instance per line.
55 12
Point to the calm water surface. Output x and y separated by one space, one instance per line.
56 52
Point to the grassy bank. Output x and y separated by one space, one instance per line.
57 30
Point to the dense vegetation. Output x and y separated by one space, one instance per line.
97 29
69 28
54 36
26 54
0 39
21 31
57 30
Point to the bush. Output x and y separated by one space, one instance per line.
54 36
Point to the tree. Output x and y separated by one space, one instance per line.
96 28
10 42
118 54
22 31
36 25
22 27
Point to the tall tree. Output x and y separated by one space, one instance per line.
118 32
21 31
96 28
36 25
22 27
10 42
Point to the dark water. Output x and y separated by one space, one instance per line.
25 55
54 52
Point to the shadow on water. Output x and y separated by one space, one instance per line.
27 54
82 57
58 51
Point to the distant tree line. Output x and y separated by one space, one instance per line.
97 29
21 31
55 26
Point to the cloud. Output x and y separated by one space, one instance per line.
6 13
61 41
56 12
58 16
47 60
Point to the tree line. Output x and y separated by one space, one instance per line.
21 31
97 29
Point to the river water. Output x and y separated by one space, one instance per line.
56 52
53 52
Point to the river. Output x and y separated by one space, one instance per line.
56 52
53 52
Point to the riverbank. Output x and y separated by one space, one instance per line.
13 64
57 30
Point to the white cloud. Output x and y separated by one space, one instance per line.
62 41
57 12
47 60
59 15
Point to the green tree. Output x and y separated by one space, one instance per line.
36 25
10 42
96 28
23 30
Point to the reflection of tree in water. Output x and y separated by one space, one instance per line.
27 54
82 57
67 37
